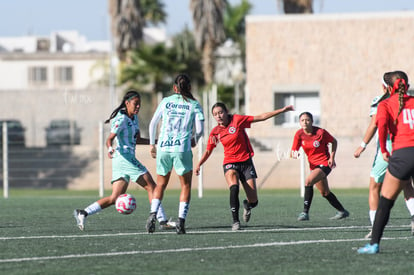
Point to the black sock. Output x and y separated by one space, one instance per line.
381 219
308 198
334 202
234 202
251 205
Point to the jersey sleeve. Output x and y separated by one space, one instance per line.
327 136
247 121
374 106
118 124
382 122
199 115
213 140
154 122
296 142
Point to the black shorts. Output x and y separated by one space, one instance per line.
401 163
326 169
244 169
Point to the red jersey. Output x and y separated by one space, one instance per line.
315 145
236 143
402 133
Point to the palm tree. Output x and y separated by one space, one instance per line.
153 11
128 18
209 31
186 52
297 6
126 25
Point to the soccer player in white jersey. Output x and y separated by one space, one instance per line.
125 167
179 113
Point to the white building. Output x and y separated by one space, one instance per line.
63 76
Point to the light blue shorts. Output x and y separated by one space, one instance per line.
379 166
182 162
127 167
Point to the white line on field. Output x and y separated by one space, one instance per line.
190 249
196 232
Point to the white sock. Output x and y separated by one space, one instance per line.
410 205
161 214
372 216
183 209
155 204
93 208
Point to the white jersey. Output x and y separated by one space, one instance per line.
178 118
126 130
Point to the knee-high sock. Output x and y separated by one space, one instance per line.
183 209
161 216
381 219
234 202
334 201
308 198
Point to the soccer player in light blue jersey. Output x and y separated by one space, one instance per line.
179 113
125 166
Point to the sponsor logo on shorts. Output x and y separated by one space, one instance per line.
228 166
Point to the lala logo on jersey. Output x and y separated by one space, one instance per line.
232 130
316 144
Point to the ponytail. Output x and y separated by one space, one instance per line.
127 97
183 84
401 88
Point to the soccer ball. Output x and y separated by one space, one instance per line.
125 204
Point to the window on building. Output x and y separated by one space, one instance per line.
303 102
38 75
64 75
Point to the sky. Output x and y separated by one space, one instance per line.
90 17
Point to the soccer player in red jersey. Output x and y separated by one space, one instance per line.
395 116
314 141
238 153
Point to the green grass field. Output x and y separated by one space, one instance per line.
39 236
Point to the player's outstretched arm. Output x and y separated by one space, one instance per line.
268 115
203 159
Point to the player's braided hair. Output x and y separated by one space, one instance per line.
127 97
400 86
183 83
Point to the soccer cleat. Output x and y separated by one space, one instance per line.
150 226
369 235
303 217
247 211
165 225
340 215
80 216
369 249
235 226
180 227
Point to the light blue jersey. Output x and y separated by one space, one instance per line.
178 118
379 166
126 130
124 163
